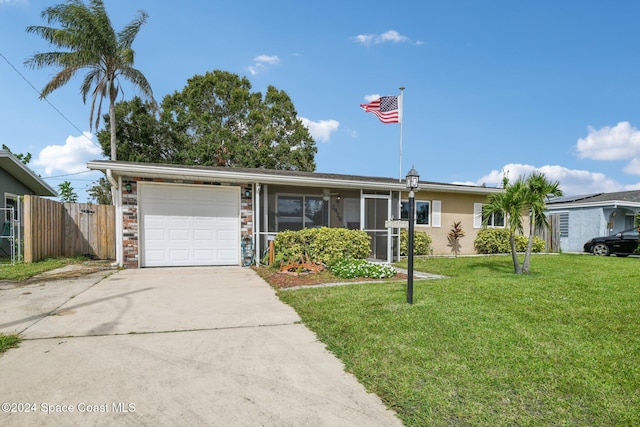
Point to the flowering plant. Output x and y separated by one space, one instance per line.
350 268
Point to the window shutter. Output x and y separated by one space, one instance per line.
436 213
477 215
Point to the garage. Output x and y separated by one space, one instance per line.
189 225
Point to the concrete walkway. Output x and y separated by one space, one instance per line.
172 346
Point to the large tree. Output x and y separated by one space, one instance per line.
216 120
88 41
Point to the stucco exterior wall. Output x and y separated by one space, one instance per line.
8 184
588 222
454 208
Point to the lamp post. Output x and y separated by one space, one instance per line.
412 184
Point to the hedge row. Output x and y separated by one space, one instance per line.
325 245
496 241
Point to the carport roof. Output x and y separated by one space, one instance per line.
26 176
271 176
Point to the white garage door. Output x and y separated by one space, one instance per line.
185 225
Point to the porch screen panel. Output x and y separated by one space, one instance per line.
290 213
298 212
316 212
375 214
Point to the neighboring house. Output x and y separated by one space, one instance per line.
175 215
586 216
16 180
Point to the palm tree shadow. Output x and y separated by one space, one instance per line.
494 264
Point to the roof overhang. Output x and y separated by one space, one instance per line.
614 204
26 176
272 177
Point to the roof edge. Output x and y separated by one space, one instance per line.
270 176
26 176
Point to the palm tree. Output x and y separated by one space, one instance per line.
538 190
526 195
90 42
510 203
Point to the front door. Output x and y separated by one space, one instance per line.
376 209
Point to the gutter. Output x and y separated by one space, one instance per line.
167 171
111 179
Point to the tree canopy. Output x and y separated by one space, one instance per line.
216 120
88 41
24 158
67 193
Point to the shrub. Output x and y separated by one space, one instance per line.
421 243
496 241
325 245
350 268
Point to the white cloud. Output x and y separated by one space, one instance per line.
321 130
72 157
267 59
633 168
620 142
371 97
262 62
390 36
572 181
13 2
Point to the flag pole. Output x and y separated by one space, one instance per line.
400 116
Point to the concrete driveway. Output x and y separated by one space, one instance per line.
171 346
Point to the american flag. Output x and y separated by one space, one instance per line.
385 107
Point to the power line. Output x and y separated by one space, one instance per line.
69 174
45 99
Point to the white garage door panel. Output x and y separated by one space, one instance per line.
190 225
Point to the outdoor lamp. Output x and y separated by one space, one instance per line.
412 184
412 179
128 187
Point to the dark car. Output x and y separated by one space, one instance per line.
620 244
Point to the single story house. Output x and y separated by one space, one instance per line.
591 215
176 215
16 180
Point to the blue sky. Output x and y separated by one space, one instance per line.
491 86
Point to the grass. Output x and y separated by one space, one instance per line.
22 270
8 341
488 348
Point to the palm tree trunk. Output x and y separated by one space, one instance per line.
527 254
112 128
514 254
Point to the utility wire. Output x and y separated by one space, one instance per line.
48 102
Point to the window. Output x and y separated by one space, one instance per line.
298 212
422 212
495 220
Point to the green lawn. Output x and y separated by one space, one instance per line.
488 348
23 270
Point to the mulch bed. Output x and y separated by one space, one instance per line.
289 280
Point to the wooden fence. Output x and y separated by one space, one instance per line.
54 229
551 235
